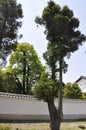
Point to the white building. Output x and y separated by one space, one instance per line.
17 107
81 81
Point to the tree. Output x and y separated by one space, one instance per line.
71 90
10 13
64 38
25 66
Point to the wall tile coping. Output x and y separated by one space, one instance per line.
31 97
13 95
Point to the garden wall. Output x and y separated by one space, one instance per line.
16 107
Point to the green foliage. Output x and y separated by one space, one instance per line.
61 29
10 84
23 71
25 66
84 95
10 13
72 91
46 89
7 82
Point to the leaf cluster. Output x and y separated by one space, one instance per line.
46 89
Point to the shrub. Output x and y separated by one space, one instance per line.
71 90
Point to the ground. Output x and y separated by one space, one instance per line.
42 126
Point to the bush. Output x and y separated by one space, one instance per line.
72 91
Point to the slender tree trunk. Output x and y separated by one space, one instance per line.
23 82
24 75
60 96
19 84
53 72
27 80
56 114
54 121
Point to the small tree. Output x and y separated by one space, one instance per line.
47 90
25 66
72 91
10 13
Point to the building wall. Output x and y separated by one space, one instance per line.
82 84
12 108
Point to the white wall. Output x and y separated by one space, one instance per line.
82 84
31 109
22 106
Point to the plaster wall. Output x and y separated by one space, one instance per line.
31 109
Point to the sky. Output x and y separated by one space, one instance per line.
36 37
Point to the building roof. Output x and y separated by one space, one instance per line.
12 95
81 77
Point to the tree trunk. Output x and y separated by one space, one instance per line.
54 118
27 80
60 96
24 74
53 72
19 84
56 114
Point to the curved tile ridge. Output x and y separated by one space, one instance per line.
13 95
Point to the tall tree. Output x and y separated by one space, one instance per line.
25 66
61 30
10 13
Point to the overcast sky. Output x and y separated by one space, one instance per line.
36 37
